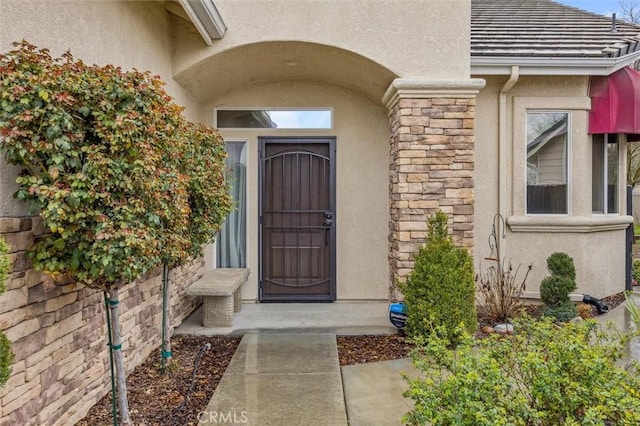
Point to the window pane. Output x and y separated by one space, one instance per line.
597 175
547 166
612 175
231 245
274 119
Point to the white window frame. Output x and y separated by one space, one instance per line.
567 159
605 175
267 129
246 212
580 218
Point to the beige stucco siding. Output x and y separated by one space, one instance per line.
598 256
361 45
123 33
362 163
598 253
130 34
410 37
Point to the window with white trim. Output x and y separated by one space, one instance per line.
547 162
231 251
605 174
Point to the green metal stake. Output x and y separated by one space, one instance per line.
165 282
113 378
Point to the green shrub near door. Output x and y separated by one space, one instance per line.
440 290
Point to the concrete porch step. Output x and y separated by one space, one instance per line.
366 317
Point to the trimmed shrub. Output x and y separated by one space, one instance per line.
6 356
555 289
542 375
122 181
561 264
440 290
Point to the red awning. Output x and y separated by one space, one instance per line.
615 102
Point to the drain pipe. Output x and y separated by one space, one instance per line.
600 305
502 144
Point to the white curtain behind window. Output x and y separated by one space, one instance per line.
231 244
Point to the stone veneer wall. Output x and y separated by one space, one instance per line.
61 366
431 168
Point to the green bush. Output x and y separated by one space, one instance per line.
561 264
440 290
541 375
564 312
122 181
555 289
635 271
6 356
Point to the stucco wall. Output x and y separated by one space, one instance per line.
124 33
597 251
362 157
410 37
357 44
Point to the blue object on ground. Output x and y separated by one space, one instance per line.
397 315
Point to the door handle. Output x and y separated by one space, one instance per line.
328 222
328 219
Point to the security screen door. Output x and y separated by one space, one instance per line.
297 219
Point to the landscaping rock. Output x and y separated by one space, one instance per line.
503 328
487 329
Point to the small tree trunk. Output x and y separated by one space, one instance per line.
166 317
121 377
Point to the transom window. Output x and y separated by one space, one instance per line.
547 162
605 174
291 118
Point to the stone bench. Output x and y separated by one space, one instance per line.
220 289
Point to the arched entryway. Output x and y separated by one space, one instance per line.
297 75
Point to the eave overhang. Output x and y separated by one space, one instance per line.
501 65
205 17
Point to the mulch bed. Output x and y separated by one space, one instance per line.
363 349
156 397
611 301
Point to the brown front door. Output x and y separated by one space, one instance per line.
297 219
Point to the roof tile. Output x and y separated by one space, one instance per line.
544 28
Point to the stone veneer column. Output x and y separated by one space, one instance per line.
431 164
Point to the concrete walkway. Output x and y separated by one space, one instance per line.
295 379
373 392
286 369
280 379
